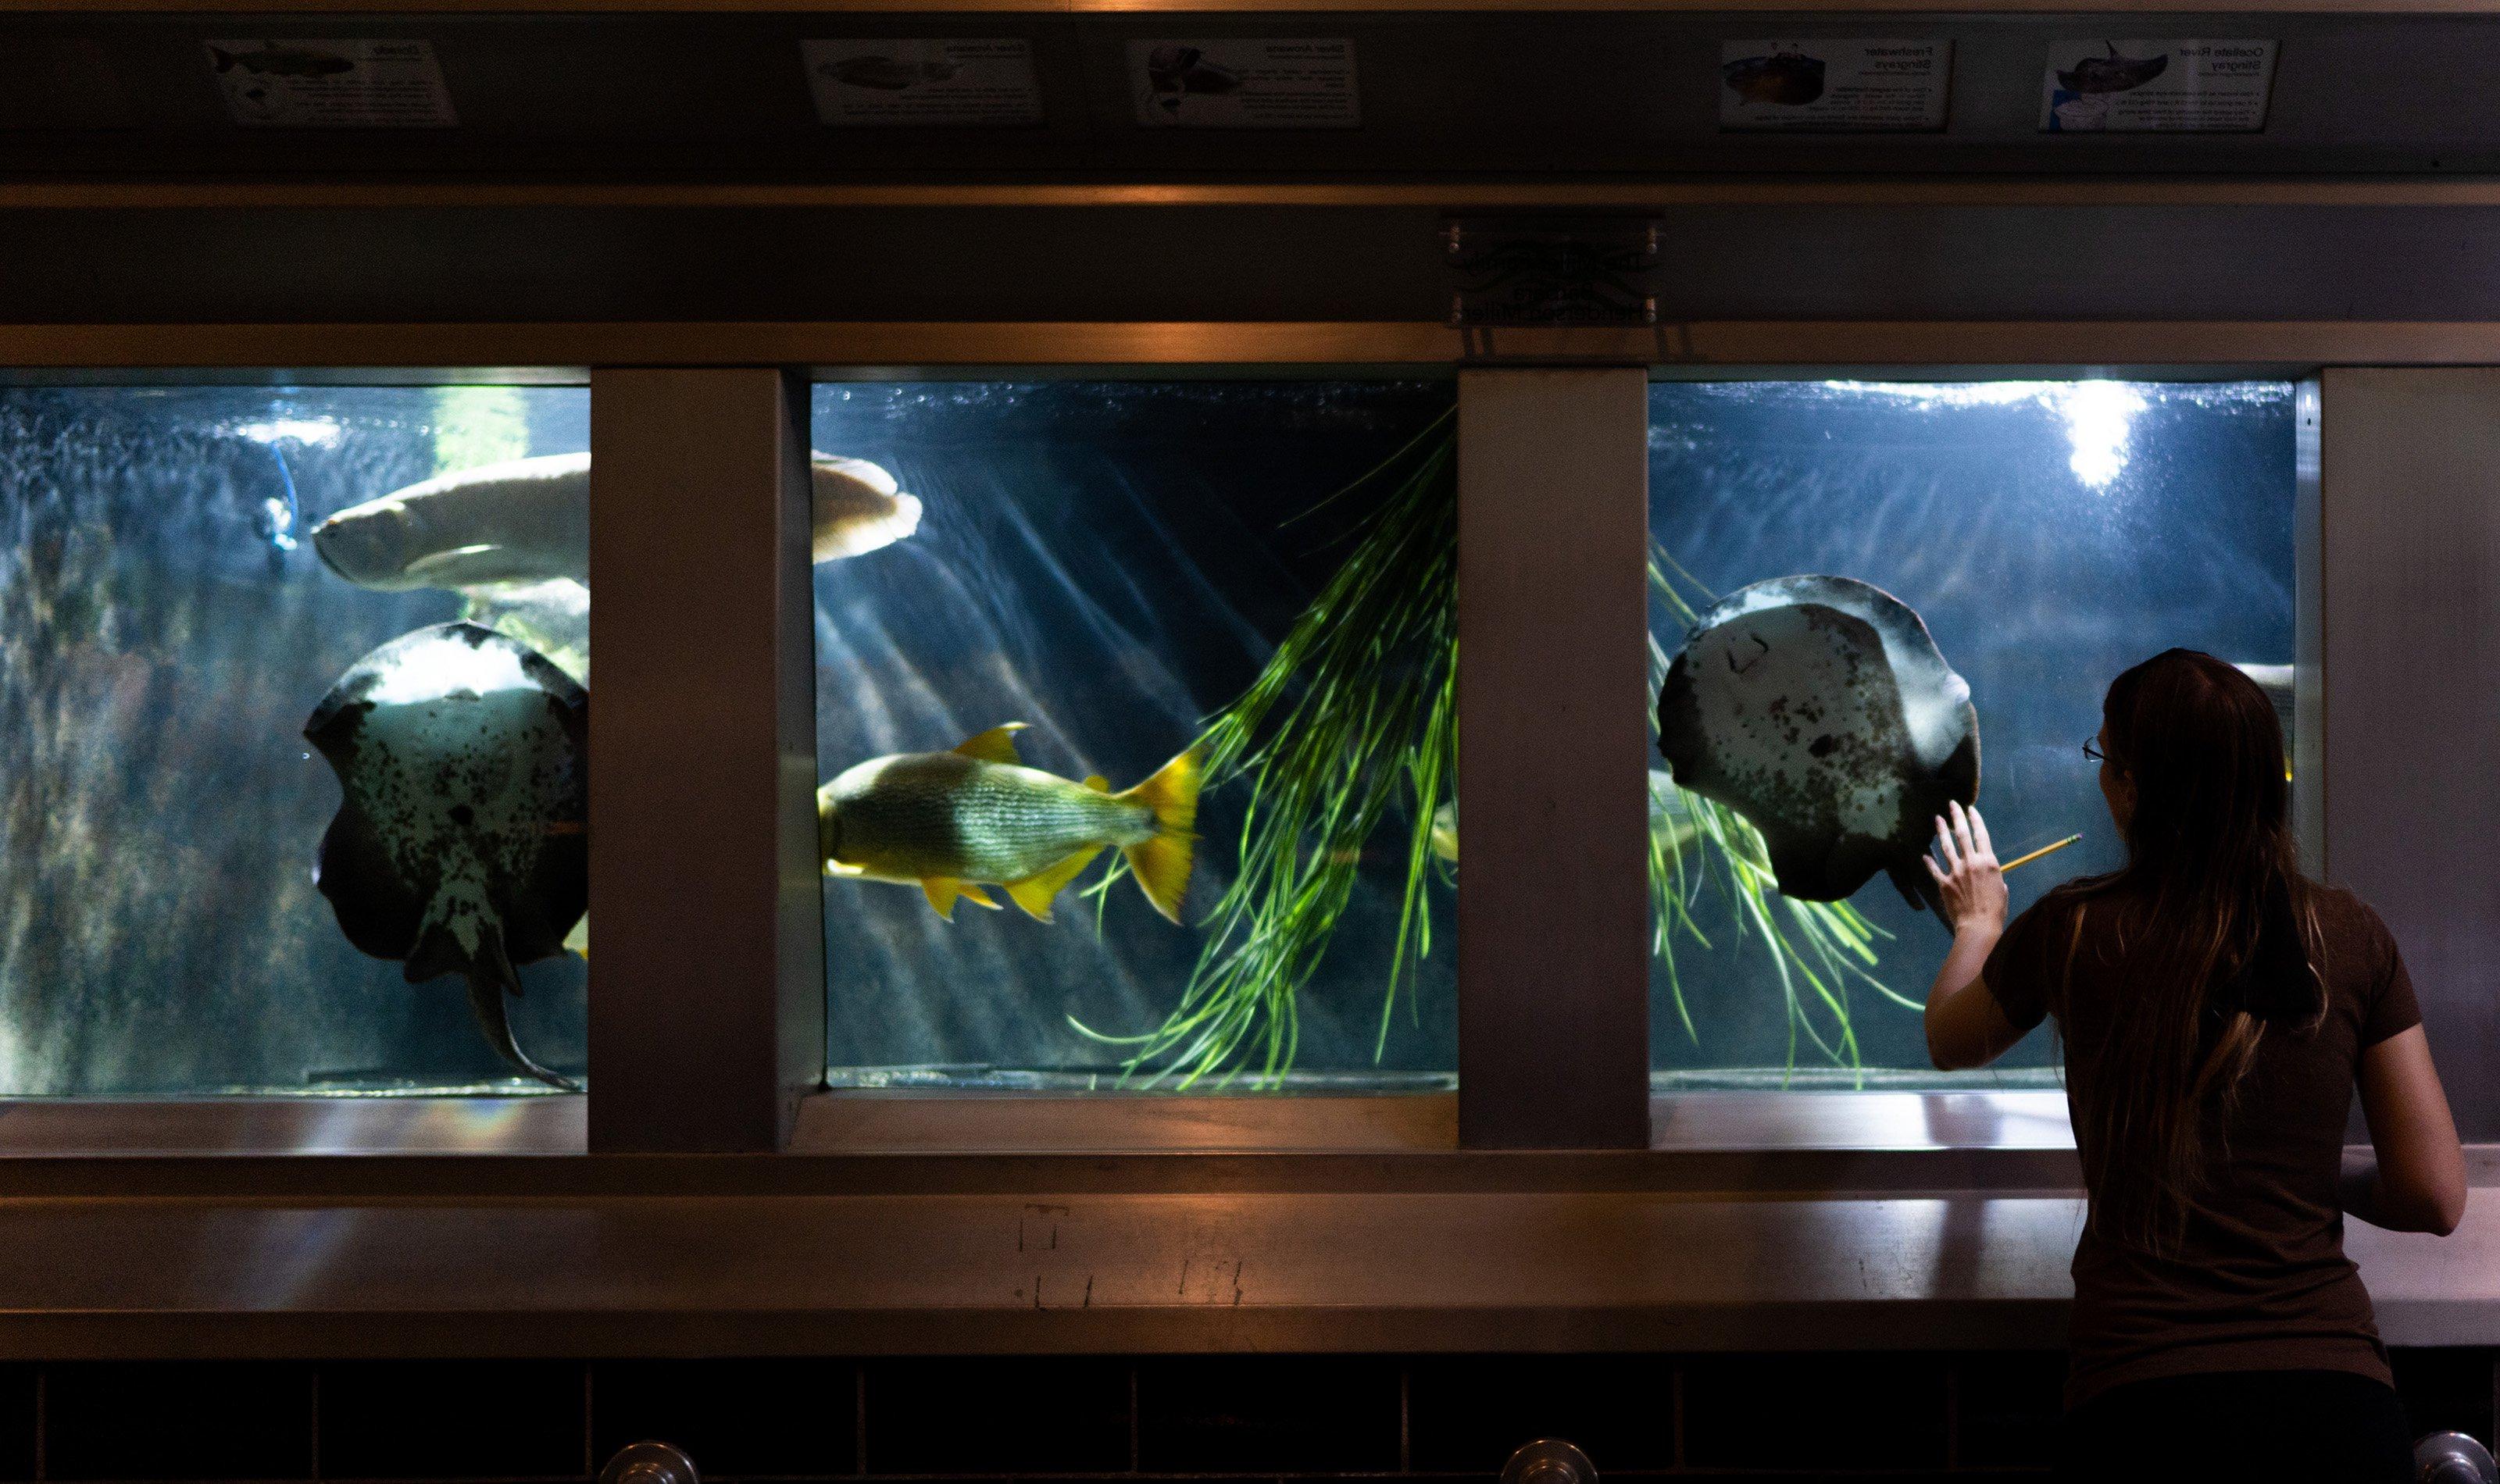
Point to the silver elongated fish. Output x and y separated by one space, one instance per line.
1819 709
528 521
952 823
461 842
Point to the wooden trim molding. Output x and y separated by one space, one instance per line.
2086 192
63 351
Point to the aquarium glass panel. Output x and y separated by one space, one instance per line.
250 791
1236 592
2049 534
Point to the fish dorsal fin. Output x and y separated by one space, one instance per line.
996 745
1035 893
1098 784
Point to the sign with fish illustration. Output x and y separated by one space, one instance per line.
2156 86
1244 82
334 84
954 822
1835 86
461 844
943 82
1819 709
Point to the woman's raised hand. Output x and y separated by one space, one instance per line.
1972 886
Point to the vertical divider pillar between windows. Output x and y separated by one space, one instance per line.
707 991
1553 758
2409 495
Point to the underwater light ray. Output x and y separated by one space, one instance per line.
1134 647
1209 598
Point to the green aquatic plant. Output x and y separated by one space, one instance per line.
1353 720
1353 717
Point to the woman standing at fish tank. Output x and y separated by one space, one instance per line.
2217 1009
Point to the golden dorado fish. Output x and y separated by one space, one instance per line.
952 823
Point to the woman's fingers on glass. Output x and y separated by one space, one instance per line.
1961 831
1945 844
1979 834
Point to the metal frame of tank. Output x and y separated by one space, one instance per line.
1551 1203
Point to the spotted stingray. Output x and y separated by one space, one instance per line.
460 846
1819 709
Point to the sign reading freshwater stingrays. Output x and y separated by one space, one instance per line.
1835 86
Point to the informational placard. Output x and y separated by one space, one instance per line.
332 84
950 82
2156 86
1264 83
1835 86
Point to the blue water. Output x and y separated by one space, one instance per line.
1107 562
2051 534
165 629
1110 562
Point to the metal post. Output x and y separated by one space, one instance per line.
706 999
2409 492
1553 758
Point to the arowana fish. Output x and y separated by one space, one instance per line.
528 521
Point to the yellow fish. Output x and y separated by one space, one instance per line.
952 823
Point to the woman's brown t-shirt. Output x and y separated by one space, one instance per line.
2259 1281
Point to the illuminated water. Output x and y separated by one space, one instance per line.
2051 536
1110 562
160 649
1107 562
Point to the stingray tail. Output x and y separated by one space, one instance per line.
488 983
1918 890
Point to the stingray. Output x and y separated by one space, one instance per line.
1819 709
461 842
2113 74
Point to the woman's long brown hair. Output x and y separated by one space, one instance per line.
2214 925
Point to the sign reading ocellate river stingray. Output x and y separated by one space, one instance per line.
1821 710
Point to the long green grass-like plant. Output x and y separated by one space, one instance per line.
1354 719
1354 716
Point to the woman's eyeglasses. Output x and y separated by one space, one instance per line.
2094 754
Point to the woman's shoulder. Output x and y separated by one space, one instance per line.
2340 914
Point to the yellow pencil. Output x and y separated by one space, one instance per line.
2036 854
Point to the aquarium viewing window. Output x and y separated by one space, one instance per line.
1135 703
2047 535
291 687
1134 719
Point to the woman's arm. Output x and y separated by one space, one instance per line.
1965 1025
2414 1181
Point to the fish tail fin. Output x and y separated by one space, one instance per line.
1034 894
490 979
1161 861
225 59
